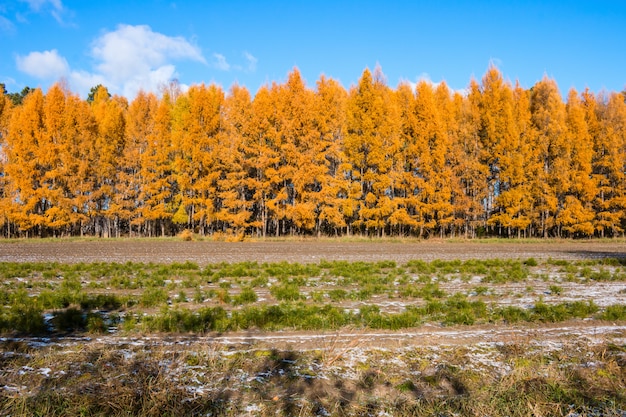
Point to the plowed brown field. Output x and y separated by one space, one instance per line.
204 252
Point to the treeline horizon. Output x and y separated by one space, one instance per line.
499 160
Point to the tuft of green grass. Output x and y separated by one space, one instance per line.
153 297
481 290
96 323
283 270
560 312
69 320
555 289
512 314
286 292
614 313
531 262
25 318
246 296
338 294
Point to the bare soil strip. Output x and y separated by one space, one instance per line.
205 252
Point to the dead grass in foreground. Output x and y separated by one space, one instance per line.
161 377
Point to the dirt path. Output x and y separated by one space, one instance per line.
167 251
425 336
590 332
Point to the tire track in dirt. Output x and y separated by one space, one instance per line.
425 336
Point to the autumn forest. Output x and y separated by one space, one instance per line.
421 161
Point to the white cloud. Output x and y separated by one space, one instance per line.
252 61
249 65
131 58
126 60
56 7
151 81
43 65
82 81
425 77
132 50
422 77
37 5
6 25
220 62
16 12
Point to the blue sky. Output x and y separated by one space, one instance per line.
127 45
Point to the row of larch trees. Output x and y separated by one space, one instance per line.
411 161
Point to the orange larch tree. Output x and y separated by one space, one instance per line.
495 124
300 174
68 144
236 203
609 165
441 152
196 125
5 201
26 175
53 157
471 175
263 161
140 128
334 197
406 217
505 120
157 189
525 164
371 143
550 184
577 215
429 151
105 205
602 219
78 158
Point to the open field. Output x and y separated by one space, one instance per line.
153 327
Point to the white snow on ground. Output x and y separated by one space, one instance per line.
343 355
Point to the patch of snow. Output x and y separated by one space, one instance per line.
321 411
252 409
195 390
14 389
